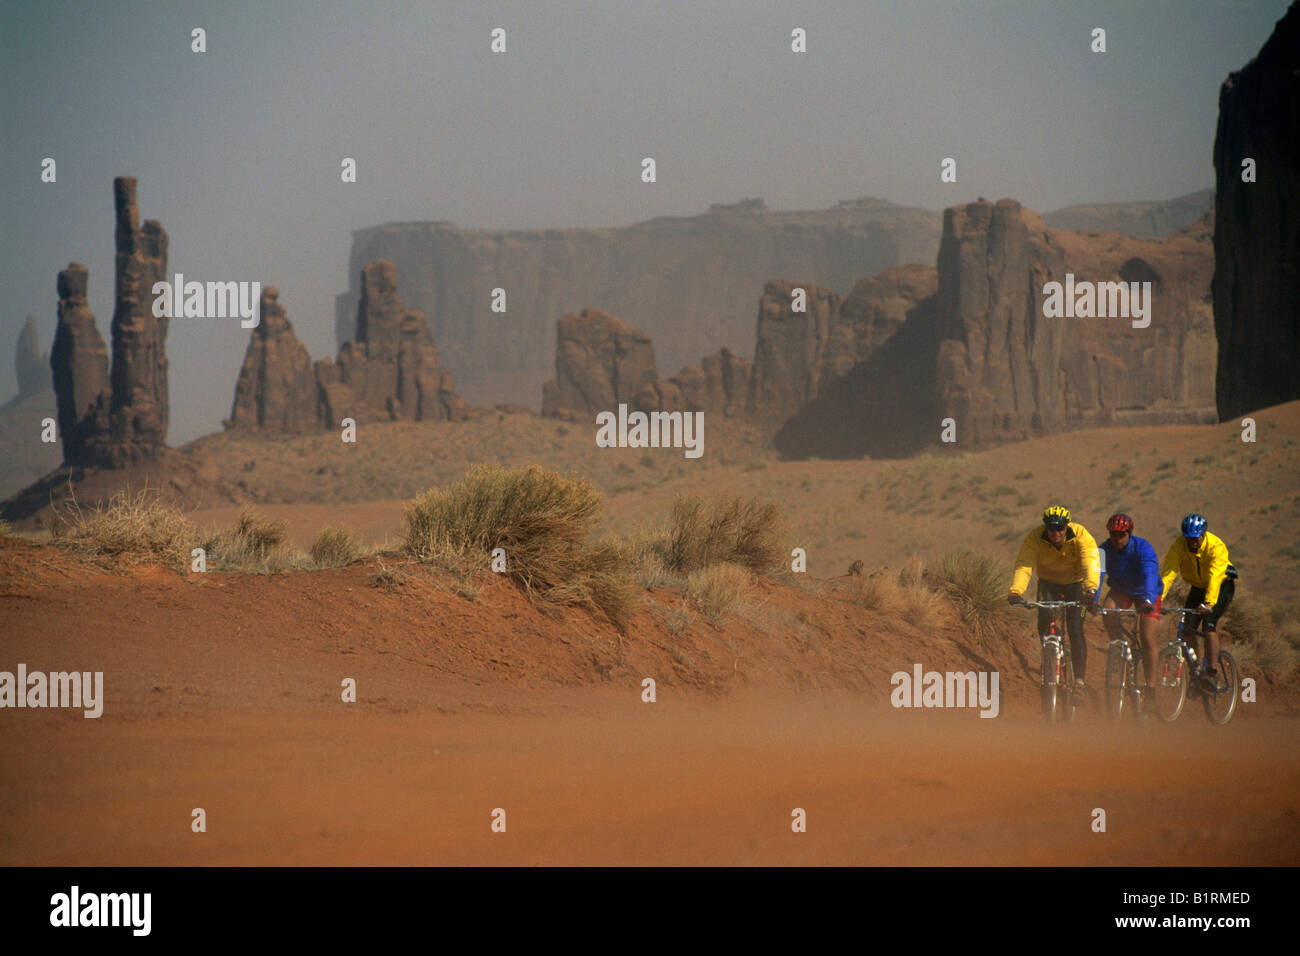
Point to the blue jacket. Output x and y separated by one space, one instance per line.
1133 570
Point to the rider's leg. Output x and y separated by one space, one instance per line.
1147 627
1074 624
1210 627
1111 622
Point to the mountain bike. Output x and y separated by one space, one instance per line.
1057 690
1178 666
1122 685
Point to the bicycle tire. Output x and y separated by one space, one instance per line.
1171 684
1069 702
1137 704
1050 687
1116 682
1215 708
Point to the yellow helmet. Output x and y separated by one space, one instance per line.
1056 517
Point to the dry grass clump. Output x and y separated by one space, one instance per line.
730 530
542 520
130 528
1264 638
256 544
335 548
715 589
976 586
877 592
903 594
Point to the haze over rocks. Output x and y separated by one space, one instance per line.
688 282
1257 227
30 369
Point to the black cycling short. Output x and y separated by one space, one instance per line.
1047 591
1196 596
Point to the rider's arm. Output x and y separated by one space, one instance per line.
1218 565
1088 554
1150 569
1024 564
1169 570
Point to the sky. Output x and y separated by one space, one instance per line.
238 149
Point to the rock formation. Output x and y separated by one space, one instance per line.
79 361
1005 371
389 372
32 372
882 404
600 362
276 388
792 347
688 282
138 413
718 385
113 416
1257 227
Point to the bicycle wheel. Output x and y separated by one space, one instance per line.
1170 684
1222 704
1116 681
1069 698
1050 685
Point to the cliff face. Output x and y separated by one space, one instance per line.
687 282
1141 220
1007 371
1257 227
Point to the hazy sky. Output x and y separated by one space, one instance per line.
238 149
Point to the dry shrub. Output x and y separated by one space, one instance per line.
921 606
335 548
543 521
976 586
5 528
256 545
1258 639
713 590
129 528
877 592
731 530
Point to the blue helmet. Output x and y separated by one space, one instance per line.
1194 525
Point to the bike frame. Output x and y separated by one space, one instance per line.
1055 642
1126 646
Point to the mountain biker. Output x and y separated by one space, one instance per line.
1202 558
1065 557
1131 568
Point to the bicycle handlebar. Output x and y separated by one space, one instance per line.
1118 610
1050 604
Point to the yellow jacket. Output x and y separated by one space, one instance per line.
1203 569
1076 560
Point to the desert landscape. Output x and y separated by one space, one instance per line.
634 570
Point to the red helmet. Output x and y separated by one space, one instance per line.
1119 522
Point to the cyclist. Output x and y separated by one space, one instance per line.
1130 566
1202 558
1065 557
